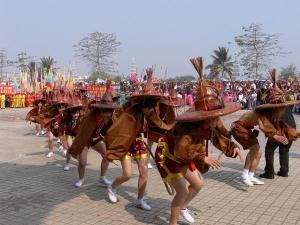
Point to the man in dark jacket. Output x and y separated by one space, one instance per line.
272 145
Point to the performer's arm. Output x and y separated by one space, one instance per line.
221 140
86 129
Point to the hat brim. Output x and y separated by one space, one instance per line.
105 106
170 102
269 105
74 107
204 115
39 100
59 103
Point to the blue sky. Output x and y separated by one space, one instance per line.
157 32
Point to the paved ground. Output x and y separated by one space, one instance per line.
35 190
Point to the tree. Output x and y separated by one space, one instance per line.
288 72
32 69
257 49
187 78
97 49
221 62
47 63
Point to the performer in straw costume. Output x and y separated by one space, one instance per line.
72 118
125 140
185 148
91 133
268 117
33 114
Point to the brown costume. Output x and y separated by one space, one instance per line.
167 115
93 128
122 134
186 146
243 129
34 113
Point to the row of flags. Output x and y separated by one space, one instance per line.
48 81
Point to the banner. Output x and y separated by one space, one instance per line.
7 90
96 90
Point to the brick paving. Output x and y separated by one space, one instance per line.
36 190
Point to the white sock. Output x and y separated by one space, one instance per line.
251 174
140 200
102 177
246 172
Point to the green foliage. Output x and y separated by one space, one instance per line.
187 78
221 62
288 72
98 74
212 76
47 63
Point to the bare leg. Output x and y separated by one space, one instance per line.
101 149
37 129
68 142
195 184
82 163
255 155
179 199
126 174
143 177
50 141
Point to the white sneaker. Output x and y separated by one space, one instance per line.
150 165
58 140
256 181
42 132
79 183
67 167
37 134
112 195
246 179
142 204
49 155
104 182
187 215
60 148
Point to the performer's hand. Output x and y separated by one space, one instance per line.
237 151
213 163
281 139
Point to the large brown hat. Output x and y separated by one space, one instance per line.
209 102
74 103
149 91
107 101
59 97
274 97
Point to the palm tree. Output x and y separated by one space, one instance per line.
32 69
221 62
47 63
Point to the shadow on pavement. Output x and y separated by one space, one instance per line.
231 178
30 192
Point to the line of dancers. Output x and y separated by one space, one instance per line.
126 133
